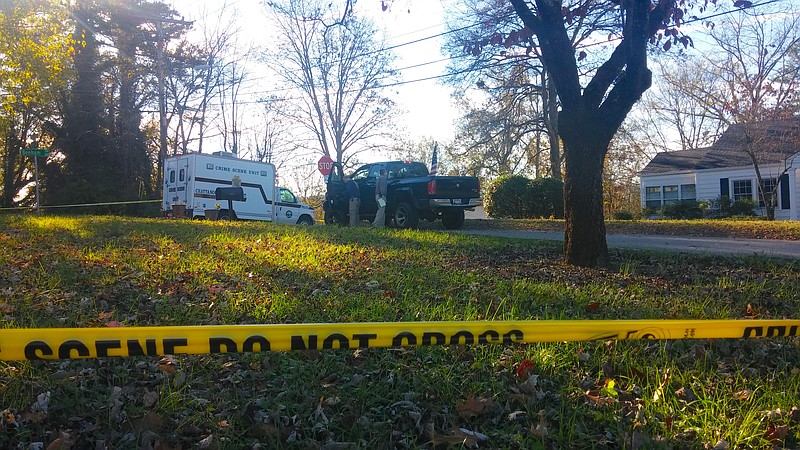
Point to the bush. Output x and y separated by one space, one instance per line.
518 197
686 209
547 198
506 197
623 215
722 207
743 207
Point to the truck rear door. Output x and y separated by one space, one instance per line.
176 180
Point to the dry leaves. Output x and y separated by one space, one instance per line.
473 407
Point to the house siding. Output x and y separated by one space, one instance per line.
707 185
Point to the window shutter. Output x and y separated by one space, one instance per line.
785 202
724 188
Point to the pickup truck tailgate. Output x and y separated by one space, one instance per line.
455 187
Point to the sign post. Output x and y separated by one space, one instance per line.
36 152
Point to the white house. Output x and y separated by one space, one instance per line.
726 169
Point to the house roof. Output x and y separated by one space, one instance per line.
678 161
775 141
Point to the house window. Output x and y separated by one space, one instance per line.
769 188
653 196
742 190
688 192
671 194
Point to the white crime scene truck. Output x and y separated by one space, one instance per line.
210 182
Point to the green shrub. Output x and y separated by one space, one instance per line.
623 215
518 197
743 207
506 197
686 209
547 198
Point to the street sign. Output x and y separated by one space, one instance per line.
35 152
324 165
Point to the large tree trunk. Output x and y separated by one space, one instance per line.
584 229
586 139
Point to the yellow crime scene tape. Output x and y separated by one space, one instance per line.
72 343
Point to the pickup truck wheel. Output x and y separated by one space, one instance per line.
405 216
453 220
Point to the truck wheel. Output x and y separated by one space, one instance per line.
453 220
335 218
225 214
305 220
405 216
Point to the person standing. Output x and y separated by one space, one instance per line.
354 196
380 198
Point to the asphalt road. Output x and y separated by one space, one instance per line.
709 245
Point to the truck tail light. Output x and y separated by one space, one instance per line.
432 187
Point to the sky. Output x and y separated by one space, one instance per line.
427 106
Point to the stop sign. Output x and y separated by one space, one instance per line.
324 165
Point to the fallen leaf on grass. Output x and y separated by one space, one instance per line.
114 324
659 393
722 445
794 414
525 368
516 415
776 433
63 442
744 394
459 436
472 407
207 443
216 289
105 315
685 394
149 398
149 422
167 364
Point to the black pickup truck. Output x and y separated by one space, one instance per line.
412 195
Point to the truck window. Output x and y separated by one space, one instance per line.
182 175
361 173
336 174
375 171
409 170
172 176
287 196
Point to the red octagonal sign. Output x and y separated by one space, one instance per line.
324 165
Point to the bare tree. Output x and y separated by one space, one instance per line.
676 104
750 85
200 75
337 65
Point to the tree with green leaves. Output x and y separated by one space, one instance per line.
34 69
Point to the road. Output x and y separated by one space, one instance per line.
710 245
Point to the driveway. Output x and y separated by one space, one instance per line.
710 245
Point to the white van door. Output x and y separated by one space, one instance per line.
287 208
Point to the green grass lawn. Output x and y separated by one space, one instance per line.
101 271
